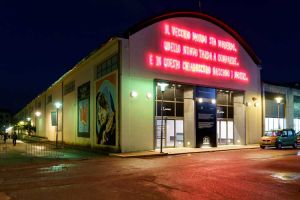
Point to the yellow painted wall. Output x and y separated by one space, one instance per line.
83 72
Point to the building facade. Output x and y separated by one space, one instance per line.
181 79
284 113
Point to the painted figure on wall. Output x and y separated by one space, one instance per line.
83 110
84 116
106 113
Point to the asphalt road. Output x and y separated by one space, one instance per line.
239 174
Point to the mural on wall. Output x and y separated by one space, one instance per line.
83 110
106 110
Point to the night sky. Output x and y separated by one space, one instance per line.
41 40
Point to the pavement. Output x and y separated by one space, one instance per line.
248 174
38 150
183 150
34 151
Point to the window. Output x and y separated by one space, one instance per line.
173 100
297 125
273 123
222 98
49 99
284 134
272 106
109 65
39 104
297 107
69 87
224 104
290 133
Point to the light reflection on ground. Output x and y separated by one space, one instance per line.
286 176
56 168
275 155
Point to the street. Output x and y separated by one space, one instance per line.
238 174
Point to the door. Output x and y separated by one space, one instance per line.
179 132
172 131
291 137
284 138
225 132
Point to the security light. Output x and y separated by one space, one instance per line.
149 95
37 113
133 94
57 105
162 86
278 99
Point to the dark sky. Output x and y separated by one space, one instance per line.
40 40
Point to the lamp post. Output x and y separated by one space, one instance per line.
278 101
162 89
36 114
28 125
57 105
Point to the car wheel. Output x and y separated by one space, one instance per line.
279 146
262 147
295 145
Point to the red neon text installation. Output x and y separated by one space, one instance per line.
185 34
172 64
200 53
197 53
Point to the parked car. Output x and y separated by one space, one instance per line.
298 137
279 138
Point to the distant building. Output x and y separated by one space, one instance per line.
5 119
286 112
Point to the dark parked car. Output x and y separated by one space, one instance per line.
279 138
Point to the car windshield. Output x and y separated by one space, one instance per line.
272 133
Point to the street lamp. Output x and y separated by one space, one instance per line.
278 101
57 105
28 125
37 113
162 89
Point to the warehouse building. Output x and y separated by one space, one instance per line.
181 79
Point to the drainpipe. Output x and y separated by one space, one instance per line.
62 114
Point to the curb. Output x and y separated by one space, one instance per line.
138 156
155 154
211 151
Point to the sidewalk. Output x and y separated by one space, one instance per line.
183 150
36 151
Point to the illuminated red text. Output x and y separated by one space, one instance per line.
197 52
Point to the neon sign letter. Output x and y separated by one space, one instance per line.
181 33
172 47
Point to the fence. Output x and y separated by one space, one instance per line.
42 149
30 150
